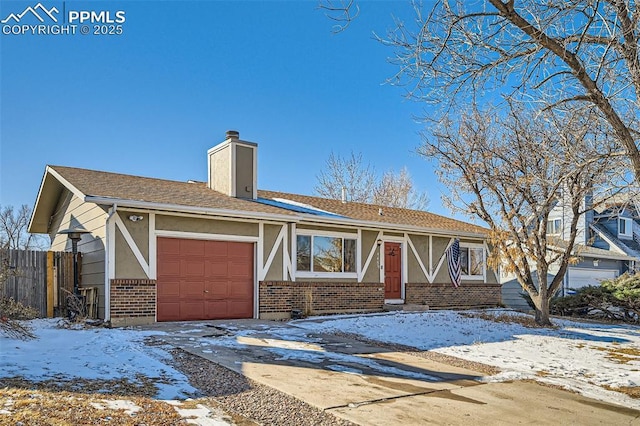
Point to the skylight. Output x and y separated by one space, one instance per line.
295 206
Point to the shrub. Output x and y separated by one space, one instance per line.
617 299
11 312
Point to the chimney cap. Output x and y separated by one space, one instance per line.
233 134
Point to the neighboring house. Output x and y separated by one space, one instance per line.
617 228
162 250
601 249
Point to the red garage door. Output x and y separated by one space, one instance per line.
200 279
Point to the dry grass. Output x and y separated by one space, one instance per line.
142 386
41 407
543 373
621 355
632 391
523 320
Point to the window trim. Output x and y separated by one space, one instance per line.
321 233
628 226
558 230
483 275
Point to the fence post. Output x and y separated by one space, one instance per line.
50 300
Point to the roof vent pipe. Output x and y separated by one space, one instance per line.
344 194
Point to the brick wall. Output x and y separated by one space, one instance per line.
439 295
279 298
133 301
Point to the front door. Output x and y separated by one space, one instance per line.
392 271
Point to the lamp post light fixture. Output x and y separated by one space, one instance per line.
74 234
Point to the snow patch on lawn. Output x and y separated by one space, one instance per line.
575 355
95 353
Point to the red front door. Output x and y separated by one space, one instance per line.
392 271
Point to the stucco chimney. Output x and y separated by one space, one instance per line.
232 167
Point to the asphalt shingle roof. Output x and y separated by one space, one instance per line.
152 190
370 212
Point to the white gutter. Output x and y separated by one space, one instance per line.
108 260
604 256
394 226
33 212
189 209
280 217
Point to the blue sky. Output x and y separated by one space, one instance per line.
151 101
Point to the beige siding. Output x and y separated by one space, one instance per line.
127 266
421 244
244 172
139 231
205 226
492 276
326 228
72 212
270 235
369 240
439 246
275 271
221 170
393 234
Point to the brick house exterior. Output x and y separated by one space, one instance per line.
160 250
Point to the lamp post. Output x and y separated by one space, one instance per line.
74 235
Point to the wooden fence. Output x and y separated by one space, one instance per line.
28 273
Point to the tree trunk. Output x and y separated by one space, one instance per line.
542 311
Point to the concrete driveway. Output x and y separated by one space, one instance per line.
371 385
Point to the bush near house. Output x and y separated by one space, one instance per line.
617 299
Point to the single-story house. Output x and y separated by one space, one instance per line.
160 250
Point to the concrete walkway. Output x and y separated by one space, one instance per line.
370 385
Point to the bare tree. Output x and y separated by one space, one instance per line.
510 171
398 190
570 56
342 12
13 229
360 184
349 174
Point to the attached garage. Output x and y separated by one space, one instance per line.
583 277
202 280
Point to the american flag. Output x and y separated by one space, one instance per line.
453 259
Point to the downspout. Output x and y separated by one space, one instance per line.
107 264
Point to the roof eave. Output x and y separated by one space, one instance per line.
39 227
276 217
394 226
188 209
607 239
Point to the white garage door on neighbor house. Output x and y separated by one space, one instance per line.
583 277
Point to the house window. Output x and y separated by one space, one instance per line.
554 226
472 261
624 227
322 255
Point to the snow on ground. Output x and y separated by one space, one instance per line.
95 353
583 357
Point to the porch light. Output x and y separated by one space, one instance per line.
74 234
